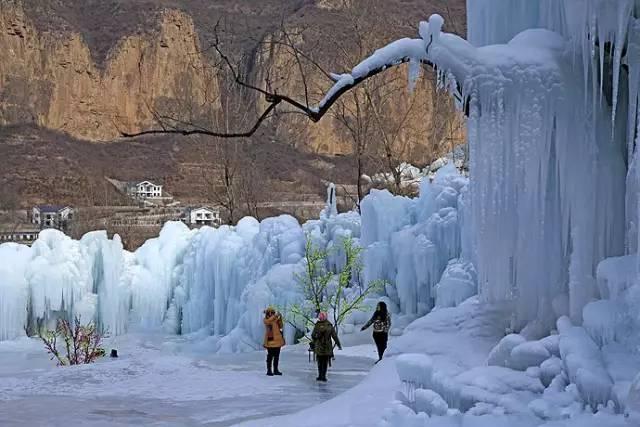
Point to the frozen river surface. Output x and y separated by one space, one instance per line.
163 381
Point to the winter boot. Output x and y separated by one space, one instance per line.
269 372
276 361
323 370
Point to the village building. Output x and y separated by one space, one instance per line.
202 216
144 190
19 233
52 216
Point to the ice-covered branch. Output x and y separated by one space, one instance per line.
447 52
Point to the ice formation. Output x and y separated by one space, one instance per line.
410 242
182 281
551 89
411 176
218 281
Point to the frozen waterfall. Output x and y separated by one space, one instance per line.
552 125
218 281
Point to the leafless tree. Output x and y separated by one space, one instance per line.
362 108
222 182
10 216
252 186
233 182
9 200
82 344
133 236
395 107
380 114
236 183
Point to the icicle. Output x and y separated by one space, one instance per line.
331 203
633 63
602 39
623 19
14 291
415 70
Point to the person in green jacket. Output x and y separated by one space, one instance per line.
323 333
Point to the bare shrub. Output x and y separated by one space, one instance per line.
81 344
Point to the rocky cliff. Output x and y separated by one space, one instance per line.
50 78
75 73
58 72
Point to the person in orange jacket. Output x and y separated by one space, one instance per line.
273 339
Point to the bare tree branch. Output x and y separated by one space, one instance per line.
273 100
200 131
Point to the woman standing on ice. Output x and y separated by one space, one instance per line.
381 321
273 339
323 333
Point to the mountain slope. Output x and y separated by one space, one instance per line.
88 69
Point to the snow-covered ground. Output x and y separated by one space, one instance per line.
166 381
177 381
457 343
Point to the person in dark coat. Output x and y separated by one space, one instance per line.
381 321
273 339
323 333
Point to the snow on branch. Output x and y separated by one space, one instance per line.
432 49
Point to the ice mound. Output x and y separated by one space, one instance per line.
501 353
491 385
584 364
430 402
528 354
457 284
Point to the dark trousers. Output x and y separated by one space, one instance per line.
323 365
381 339
273 357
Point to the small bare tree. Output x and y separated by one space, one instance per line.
354 116
252 186
81 344
233 183
222 182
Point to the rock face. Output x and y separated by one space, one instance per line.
50 78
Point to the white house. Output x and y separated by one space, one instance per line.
203 216
144 190
52 216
